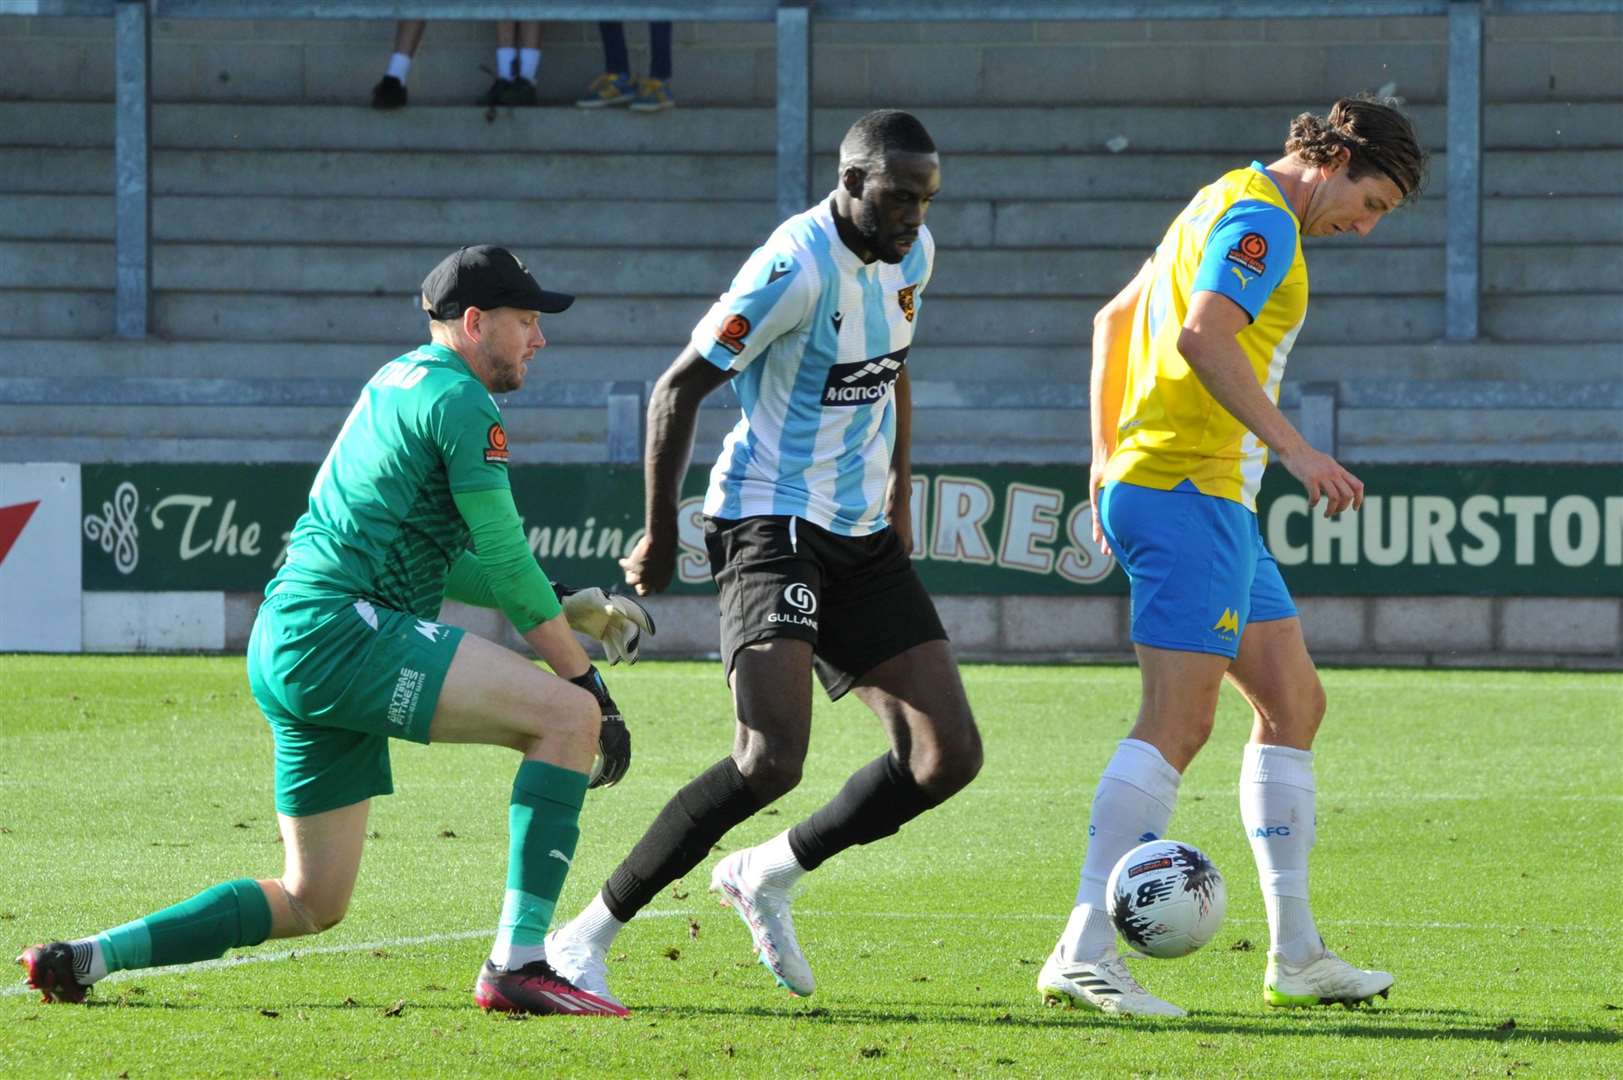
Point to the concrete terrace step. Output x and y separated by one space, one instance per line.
660 320
1486 360
536 224
928 393
140 390
1530 57
1248 129
395 173
292 360
1537 219
387 174
521 223
118 449
288 433
1441 435
1358 269
1043 365
565 424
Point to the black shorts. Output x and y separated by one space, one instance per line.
857 599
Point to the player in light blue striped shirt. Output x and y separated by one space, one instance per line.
817 339
807 525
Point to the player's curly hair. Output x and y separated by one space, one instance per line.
1381 138
877 135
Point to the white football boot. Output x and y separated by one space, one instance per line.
1104 985
1329 980
581 964
765 910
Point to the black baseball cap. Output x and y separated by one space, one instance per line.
485 277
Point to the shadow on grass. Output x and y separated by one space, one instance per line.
1405 1024
281 1008
1377 1023
1367 1023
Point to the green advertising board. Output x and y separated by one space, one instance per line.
1510 530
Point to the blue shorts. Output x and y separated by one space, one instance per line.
1197 566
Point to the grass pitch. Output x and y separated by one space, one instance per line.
1470 839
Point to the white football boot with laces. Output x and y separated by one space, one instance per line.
1104 985
765 910
581 964
1329 980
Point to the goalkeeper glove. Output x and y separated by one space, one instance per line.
613 740
619 622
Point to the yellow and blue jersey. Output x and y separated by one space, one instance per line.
1238 237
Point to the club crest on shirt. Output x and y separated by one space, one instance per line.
496 445
731 333
1250 252
904 298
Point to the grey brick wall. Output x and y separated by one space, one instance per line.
1395 631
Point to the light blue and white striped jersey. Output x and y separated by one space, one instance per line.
818 338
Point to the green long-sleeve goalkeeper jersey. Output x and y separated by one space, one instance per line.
419 467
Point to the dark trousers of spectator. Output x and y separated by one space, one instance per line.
618 60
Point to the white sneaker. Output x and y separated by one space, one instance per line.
765 910
1329 980
581 964
1105 985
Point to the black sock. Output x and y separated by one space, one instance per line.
879 798
680 837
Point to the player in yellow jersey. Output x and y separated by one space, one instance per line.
1187 362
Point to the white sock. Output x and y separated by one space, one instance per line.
529 62
512 957
595 926
1131 806
504 61
399 66
1276 806
774 862
89 965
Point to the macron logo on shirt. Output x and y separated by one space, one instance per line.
863 381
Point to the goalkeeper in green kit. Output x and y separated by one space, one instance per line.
346 654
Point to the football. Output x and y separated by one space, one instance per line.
1166 898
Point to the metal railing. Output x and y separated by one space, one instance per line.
794 20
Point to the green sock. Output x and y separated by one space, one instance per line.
230 914
543 825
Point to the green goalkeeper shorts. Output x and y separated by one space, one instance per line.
337 678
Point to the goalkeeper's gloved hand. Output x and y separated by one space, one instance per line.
613 741
619 622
